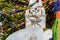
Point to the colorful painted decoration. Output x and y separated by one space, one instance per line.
56 27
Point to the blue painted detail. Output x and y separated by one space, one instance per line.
40 20
56 7
50 39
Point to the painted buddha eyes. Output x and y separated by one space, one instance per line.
34 10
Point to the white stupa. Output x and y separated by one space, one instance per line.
35 18
36 10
